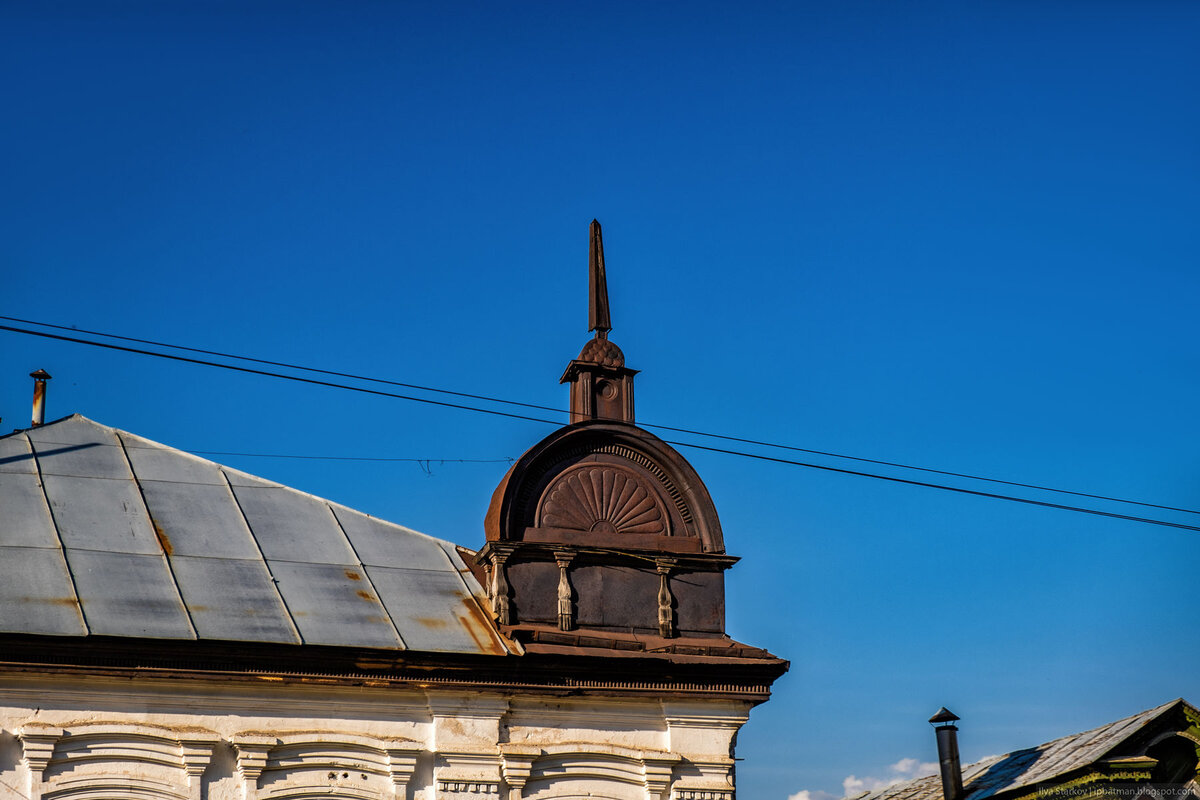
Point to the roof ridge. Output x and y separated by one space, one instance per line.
976 770
1154 711
120 433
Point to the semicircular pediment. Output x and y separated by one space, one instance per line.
599 479
603 498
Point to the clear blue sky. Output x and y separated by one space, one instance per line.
957 235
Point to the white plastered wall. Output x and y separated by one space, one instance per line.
93 738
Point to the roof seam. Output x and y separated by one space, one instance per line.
57 534
287 612
247 560
154 523
483 610
153 446
367 577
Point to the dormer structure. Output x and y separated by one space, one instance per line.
602 527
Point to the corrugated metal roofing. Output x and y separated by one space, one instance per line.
108 533
1026 768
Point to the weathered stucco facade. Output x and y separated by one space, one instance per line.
109 737
172 629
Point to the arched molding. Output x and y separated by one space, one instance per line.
295 765
521 495
124 788
88 756
588 769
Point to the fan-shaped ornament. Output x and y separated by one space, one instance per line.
604 500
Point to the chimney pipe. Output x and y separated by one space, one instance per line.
947 745
39 396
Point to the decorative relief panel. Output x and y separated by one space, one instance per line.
97 760
605 499
468 790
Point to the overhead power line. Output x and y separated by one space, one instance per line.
494 412
689 431
249 370
356 458
958 489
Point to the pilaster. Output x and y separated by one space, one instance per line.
657 772
252 754
37 748
464 739
402 763
197 752
517 764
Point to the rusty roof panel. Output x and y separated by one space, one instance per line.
383 544
333 604
36 594
129 595
232 599
434 611
291 525
192 519
162 544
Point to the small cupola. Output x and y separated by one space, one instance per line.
602 526
601 384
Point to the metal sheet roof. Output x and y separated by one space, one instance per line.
1026 768
108 533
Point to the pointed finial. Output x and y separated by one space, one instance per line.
598 320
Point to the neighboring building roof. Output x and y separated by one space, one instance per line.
1048 763
109 534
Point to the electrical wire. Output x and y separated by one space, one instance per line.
357 458
757 456
958 489
298 379
673 429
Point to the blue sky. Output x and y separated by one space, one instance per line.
955 235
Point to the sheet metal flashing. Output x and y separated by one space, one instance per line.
105 533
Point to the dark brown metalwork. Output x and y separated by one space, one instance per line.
583 667
603 526
598 319
601 385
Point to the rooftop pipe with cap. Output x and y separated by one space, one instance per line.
947 745
39 396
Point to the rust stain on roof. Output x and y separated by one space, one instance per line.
430 622
370 598
161 535
352 575
53 601
479 628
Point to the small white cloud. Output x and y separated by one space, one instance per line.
908 768
812 794
852 786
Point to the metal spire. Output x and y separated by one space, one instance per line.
598 319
